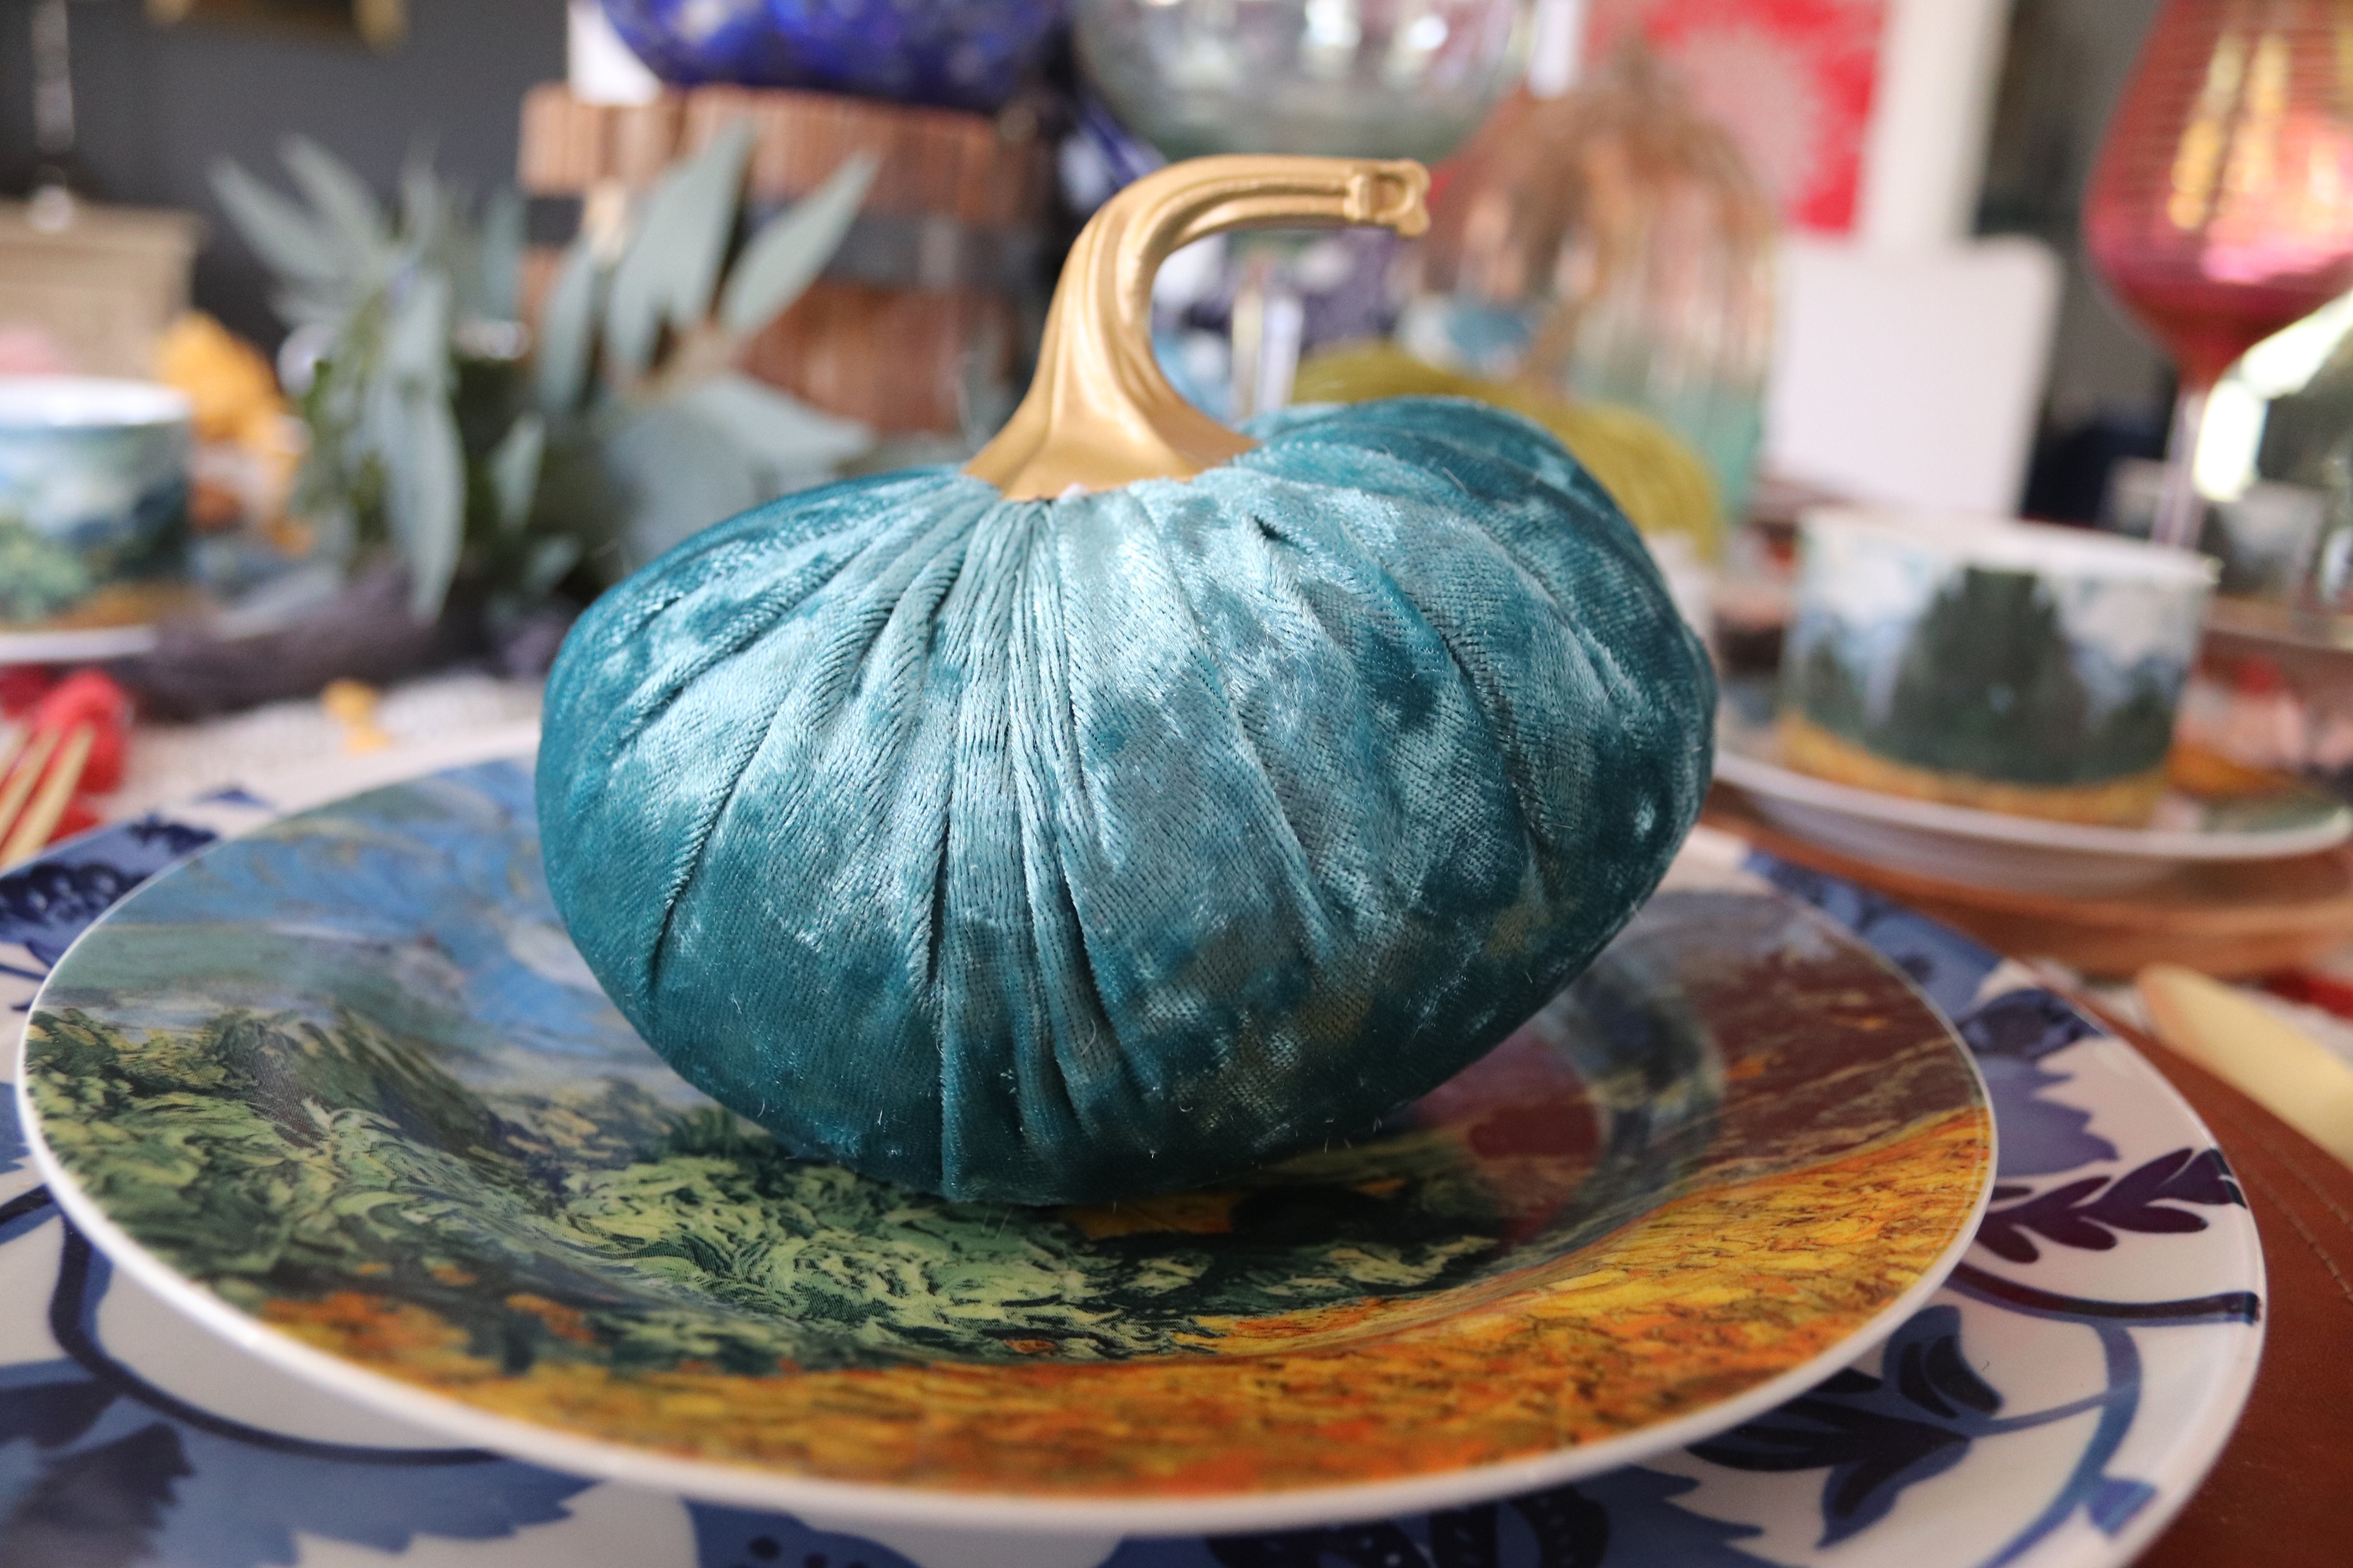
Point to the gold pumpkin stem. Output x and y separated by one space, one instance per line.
1100 414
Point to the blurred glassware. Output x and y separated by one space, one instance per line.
1384 79
598 67
955 54
1361 77
1608 244
1097 156
2222 207
2268 537
2332 567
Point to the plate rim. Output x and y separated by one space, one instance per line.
2194 1462
1747 771
851 1503
2191 1462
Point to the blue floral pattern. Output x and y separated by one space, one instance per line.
2088 1213
2010 1035
101 1465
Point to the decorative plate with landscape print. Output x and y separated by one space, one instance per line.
347 1076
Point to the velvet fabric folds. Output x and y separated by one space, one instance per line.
1060 851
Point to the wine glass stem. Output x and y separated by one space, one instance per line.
2181 510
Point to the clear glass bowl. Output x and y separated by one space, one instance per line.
1393 78
1609 245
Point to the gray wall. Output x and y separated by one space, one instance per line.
2068 62
158 105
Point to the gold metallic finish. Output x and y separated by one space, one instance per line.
1100 414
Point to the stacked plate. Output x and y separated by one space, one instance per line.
2000 849
348 1220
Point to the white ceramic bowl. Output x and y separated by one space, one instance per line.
1989 663
93 502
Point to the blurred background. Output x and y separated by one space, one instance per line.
158 105
2022 92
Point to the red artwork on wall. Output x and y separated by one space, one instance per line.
1791 79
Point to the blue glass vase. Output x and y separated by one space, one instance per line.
956 54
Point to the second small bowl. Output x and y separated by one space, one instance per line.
1988 663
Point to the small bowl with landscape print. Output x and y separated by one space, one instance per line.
1984 662
93 504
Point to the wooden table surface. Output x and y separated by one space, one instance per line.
2282 1495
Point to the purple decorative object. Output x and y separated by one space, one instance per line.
957 54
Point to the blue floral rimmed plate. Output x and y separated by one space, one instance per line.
2052 1406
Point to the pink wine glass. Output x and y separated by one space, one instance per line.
2221 206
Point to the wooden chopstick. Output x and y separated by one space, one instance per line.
49 808
18 786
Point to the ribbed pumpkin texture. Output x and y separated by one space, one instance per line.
1146 801
1061 850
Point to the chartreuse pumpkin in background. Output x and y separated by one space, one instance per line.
1147 801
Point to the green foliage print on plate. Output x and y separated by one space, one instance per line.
677 1234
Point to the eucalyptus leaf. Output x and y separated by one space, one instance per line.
566 334
668 274
785 257
788 442
545 566
340 377
345 206
424 207
279 230
606 471
679 473
417 341
514 470
381 421
425 501
497 260
299 306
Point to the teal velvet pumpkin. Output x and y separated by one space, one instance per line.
1061 850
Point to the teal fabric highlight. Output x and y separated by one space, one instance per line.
1060 851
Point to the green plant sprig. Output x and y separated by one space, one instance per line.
442 429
